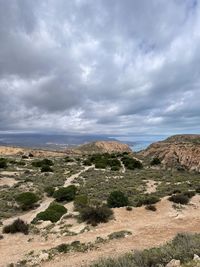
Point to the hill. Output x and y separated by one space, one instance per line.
103 147
179 151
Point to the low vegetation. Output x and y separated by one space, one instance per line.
117 199
18 226
65 193
155 161
182 247
3 163
53 213
96 214
27 200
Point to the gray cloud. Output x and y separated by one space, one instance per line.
100 66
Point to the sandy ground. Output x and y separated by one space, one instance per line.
151 186
148 228
12 151
7 181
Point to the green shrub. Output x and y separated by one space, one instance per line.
151 207
118 235
189 194
155 161
180 199
53 213
3 163
80 201
131 163
115 168
146 200
18 226
198 190
27 200
87 162
44 162
117 199
49 190
46 168
94 215
68 159
65 193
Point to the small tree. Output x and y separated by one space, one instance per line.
27 200
117 199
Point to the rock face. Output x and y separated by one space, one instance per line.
104 146
180 151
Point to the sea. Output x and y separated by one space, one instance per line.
63 141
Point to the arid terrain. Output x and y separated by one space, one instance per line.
144 178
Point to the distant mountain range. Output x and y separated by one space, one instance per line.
62 141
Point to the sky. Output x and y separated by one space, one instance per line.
100 66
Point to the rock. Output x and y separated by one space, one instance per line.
43 256
196 257
174 263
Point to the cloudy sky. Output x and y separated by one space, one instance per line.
100 66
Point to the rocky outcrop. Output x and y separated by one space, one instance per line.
180 151
104 146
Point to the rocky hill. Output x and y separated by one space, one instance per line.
103 147
180 151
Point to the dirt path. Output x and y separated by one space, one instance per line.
123 167
76 175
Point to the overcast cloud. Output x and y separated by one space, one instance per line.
100 66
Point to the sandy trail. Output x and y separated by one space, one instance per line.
70 179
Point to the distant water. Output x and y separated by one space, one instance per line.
138 143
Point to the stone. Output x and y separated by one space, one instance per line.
174 263
196 257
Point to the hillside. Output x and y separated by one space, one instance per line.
104 146
180 151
